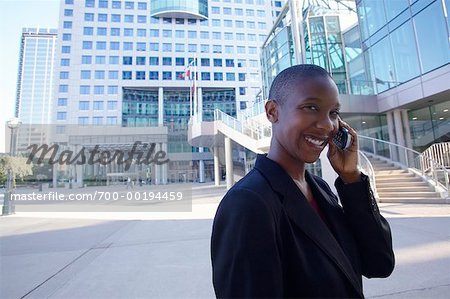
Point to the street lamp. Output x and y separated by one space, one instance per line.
8 205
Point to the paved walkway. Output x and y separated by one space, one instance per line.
166 255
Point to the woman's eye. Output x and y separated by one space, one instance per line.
313 108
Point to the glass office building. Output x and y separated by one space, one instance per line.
35 84
126 63
395 57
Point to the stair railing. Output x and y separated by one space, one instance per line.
408 158
439 152
365 165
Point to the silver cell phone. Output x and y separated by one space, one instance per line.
342 139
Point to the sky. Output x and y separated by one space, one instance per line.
15 15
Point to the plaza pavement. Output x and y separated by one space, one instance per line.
166 254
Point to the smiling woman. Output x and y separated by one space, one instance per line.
281 232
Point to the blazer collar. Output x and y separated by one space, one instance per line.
302 214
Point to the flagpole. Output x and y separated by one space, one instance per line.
195 90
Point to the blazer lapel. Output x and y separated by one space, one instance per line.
304 217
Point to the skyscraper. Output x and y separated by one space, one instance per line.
35 83
128 63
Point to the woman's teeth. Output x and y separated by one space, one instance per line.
314 141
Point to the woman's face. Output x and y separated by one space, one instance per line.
308 119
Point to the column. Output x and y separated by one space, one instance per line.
400 137
160 106
391 128
55 175
200 104
216 166
79 170
229 163
201 168
408 140
165 166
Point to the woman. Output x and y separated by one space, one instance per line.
280 231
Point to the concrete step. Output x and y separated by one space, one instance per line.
390 171
403 188
385 167
413 194
413 200
394 174
398 180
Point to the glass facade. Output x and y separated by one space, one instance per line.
139 108
400 40
195 8
276 56
429 125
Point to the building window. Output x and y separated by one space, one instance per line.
97 120
140 75
142 19
204 34
179 33
153 76
99 89
89 17
142 5
83 120
100 45
83 105
167 21
218 77
154 47
99 75
179 75
101 31
153 60
85 74
167 61
113 89
227 11
116 4
103 3
63 88
231 77
85 89
215 10
68 12
204 62
217 62
179 21
128 18
67 25
128 46
229 49
241 77
98 105
126 75
179 47
167 75
229 62
111 120
167 33
113 74
154 33
114 45
67 37
115 18
100 59
192 34
63 75
112 105
102 17
89 3
154 20
206 76
113 59
217 49
142 32
179 61
140 60
242 91
192 48
216 35
61 115
129 5
86 59
141 46
128 31
65 49
204 48
62 102
216 23
87 45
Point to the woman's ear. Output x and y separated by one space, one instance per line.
272 110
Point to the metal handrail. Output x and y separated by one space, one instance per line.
364 164
408 158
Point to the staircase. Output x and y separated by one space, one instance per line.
397 185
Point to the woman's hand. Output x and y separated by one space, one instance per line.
345 162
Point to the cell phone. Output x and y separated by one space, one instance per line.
342 139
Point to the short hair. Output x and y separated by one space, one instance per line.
284 80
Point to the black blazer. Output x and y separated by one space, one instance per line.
268 242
